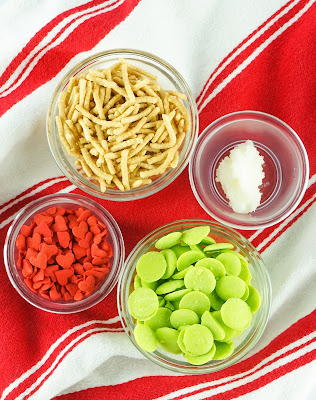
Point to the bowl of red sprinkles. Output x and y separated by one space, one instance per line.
63 253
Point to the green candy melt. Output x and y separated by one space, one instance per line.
214 265
183 317
180 340
171 260
145 338
151 285
253 299
181 274
215 300
246 294
177 295
188 258
200 278
195 301
215 327
160 319
195 235
151 266
223 350
218 246
170 286
199 249
198 339
168 241
236 314
143 303
137 282
169 305
231 263
229 332
208 240
179 250
230 286
203 359
168 340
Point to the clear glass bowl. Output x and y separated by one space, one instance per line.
260 280
286 168
67 201
168 78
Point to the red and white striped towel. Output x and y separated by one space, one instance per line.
235 55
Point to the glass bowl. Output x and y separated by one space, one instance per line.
260 280
67 201
168 78
286 168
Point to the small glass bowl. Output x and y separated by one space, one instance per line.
260 280
67 201
286 168
168 78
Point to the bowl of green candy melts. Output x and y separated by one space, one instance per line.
194 296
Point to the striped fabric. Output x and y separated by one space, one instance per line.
235 55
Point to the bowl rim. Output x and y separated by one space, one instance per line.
137 193
209 130
27 212
137 251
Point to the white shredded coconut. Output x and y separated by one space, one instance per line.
240 175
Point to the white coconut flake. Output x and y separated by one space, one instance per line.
241 175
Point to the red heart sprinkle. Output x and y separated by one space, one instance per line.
87 241
84 216
96 252
20 260
95 230
47 284
48 240
40 261
21 242
81 230
66 260
30 253
87 266
27 269
92 221
63 276
53 293
43 229
49 250
72 221
74 279
60 224
72 288
29 283
60 211
99 261
78 296
63 239
67 296
50 270
79 251
51 211
79 211
27 230
78 268
39 218
39 276
96 274
34 241
87 285
104 245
